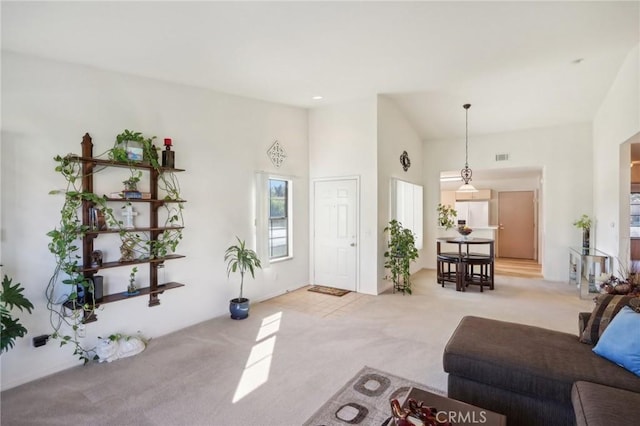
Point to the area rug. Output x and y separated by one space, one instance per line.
328 290
364 400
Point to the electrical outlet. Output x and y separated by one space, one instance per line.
40 340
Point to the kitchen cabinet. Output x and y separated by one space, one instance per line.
448 198
481 194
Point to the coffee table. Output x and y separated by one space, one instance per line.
457 412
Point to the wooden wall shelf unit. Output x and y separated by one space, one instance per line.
154 289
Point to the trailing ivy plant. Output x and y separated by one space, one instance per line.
67 316
401 252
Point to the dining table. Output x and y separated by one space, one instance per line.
464 258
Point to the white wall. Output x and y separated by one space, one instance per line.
342 143
616 122
221 140
564 154
395 135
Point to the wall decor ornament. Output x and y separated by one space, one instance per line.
405 161
277 154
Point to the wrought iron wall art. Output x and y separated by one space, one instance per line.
405 161
277 154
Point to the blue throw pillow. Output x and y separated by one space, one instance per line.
620 341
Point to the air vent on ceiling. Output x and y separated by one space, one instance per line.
502 157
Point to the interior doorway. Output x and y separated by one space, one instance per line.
335 233
517 225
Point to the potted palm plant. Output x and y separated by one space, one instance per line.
241 259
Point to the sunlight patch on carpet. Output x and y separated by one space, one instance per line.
256 371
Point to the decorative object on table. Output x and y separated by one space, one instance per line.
584 223
446 215
364 399
10 297
119 346
464 230
416 414
405 161
466 173
625 284
131 288
241 259
399 255
96 258
127 250
168 156
128 214
277 154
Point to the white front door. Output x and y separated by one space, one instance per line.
335 233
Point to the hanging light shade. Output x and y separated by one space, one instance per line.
466 173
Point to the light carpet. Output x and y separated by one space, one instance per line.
280 364
364 399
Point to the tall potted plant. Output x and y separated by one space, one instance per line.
401 252
241 259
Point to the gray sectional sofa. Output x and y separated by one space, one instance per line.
537 376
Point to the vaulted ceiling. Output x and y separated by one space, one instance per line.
520 64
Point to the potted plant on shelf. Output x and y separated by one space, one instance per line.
132 146
241 259
584 223
446 216
401 252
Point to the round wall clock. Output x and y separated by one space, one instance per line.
405 161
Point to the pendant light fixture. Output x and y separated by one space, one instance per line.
466 172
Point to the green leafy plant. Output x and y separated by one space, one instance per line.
401 252
131 184
241 259
446 216
584 222
10 298
119 153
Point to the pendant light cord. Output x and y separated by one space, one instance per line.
466 135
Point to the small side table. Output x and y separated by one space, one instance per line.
586 267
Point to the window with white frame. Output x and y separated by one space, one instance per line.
279 218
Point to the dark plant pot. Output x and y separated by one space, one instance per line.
239 308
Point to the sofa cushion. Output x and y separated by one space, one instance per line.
607 306
529 360
620 342
598 405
